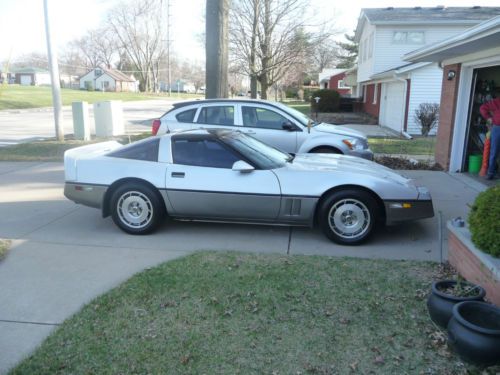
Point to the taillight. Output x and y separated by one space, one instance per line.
156 126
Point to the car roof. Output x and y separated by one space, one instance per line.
211 101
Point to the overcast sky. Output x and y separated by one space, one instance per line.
22 23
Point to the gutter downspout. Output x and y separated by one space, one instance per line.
405 134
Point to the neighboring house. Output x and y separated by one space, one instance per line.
104 79
337 82
179 85
324 77
390 88
470 77
31 76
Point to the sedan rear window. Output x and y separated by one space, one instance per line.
186 116
216 115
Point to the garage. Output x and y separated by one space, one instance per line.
25 79
392 104
471 77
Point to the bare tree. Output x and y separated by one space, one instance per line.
269 37
140 29
217 13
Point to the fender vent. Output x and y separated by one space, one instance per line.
292 207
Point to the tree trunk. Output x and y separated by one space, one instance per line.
265 46
217 48
253 68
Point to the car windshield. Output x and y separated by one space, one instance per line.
266 157
304 119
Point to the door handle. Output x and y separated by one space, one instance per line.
178 174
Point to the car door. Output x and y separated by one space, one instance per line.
266 125
216 116
201 184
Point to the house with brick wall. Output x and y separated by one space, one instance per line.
391 88
470 64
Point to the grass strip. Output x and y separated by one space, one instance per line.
236 313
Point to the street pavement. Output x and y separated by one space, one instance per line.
64 255
25 125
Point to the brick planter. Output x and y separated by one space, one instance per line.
474 265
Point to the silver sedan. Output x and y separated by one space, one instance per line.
219 175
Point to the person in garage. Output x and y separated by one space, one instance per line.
491 113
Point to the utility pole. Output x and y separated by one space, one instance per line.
54 78
168 50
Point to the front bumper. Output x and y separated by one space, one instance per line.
87 194
400 211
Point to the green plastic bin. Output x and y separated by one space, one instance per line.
475 162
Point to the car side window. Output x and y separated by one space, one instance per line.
186 116
217 115
146 150
203 153
255 117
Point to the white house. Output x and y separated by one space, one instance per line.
325 74
392 88
104 79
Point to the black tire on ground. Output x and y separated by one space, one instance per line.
326 150
348 217
136 208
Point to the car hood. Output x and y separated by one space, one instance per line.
337 129
345 164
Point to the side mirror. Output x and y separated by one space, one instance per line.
242 166
288 126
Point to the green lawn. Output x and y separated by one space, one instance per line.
51 150
235 313
415 146
300 106
17 97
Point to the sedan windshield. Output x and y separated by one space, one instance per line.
266 157
304 119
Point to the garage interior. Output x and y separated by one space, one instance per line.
485 87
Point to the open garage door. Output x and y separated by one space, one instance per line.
392 105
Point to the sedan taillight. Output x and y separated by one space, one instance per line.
156 126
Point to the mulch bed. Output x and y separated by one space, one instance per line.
407 163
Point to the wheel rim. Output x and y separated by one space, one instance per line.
135 209
349 218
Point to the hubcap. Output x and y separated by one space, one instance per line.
349 218
135 210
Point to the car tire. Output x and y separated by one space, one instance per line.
136 208
326 150
348 217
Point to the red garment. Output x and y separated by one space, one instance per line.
491 110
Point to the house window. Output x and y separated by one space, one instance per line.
364 93
375 92
342 85
370 46
408 37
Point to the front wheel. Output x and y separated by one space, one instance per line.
348 217
136 208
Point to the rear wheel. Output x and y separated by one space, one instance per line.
325 150
348 217
136 208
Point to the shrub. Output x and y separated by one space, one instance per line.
89 85
484 221
427 115
329 101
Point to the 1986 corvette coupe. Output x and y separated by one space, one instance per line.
220 175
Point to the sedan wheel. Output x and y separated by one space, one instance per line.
347 217
136 209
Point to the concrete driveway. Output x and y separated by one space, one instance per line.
64 255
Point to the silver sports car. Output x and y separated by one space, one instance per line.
220 175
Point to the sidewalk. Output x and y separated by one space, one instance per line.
64 255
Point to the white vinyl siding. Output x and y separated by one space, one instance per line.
425 87
365 61
388 54
104 81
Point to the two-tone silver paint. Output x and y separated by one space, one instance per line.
285 195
